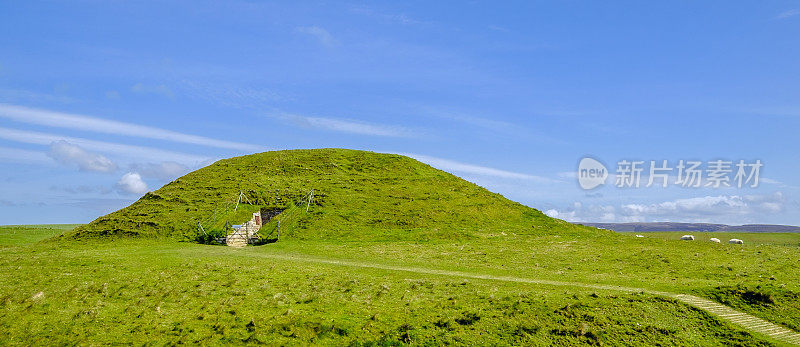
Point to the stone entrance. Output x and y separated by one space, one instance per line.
245 233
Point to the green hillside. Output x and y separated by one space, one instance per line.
358 195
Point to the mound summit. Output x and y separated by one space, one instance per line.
359 195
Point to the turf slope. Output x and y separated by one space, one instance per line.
358 195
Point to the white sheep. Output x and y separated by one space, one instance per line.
687 237
736 241
714 239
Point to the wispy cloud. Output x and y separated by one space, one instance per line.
7 203
781 184
142 153
347 126
230 95
99 125
455 166
112 95
15 155
69 154
160 89
322 35
788 13
772 111
82 189
100 206
486 123
20 95
492 124
166 170
400 18
498 28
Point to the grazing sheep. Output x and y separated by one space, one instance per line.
736 241
714 239
687 237
639 235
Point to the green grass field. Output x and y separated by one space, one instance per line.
25 234
138 290
781 239
390 251
768 298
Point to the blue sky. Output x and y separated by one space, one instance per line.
101 101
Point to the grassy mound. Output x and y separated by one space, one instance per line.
358 195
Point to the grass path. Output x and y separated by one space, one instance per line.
749 322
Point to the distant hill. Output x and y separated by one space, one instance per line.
697 227
358 195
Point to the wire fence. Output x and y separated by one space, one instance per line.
284 221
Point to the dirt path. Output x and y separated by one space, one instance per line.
749 322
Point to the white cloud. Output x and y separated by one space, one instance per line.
788 13
347 126
320 34
69 154
99 125
132 183
704 208
166 170
160 89
728 209
579 213
145 153
454 166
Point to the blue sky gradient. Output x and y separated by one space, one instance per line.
103 100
